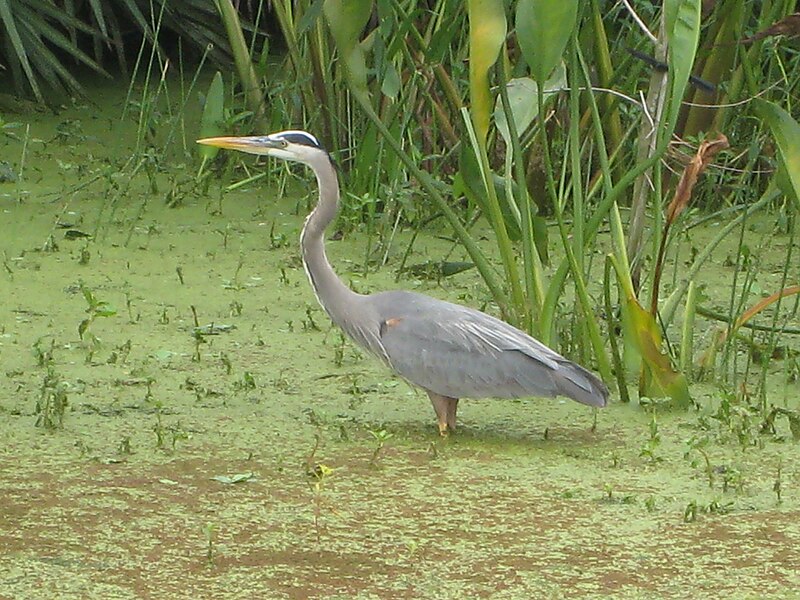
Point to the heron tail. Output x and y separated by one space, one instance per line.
573 381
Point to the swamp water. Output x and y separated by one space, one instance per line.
263 458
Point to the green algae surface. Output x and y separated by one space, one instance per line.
213 437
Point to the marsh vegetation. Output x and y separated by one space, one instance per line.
178 418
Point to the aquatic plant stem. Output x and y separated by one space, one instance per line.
532 269
687 330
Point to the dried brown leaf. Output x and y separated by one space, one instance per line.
683 193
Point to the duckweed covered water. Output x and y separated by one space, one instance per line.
243 462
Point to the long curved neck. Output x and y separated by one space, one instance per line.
331 292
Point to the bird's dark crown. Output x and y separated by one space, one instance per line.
299 137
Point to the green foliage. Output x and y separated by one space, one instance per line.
47 40
544 28
786 132
548 34
33 30
443 109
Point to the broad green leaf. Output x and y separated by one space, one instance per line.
391 84
786 132
449 267
212 122
523 97
683 34
543 30
658 379
88 296
346 20
642 348
487 32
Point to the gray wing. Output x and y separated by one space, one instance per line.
459 352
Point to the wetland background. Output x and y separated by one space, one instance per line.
177 416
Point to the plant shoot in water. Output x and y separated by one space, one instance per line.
381 437
52 403
197 333
159 428
649 447
226 362
321 473
248 382
699 445
96 308
44 355
308 323
209 532
338 350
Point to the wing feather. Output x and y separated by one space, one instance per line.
459 352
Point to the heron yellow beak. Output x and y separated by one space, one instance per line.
256 144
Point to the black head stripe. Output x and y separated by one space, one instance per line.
300 137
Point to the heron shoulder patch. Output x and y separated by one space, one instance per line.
389 324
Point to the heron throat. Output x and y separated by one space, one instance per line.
350 311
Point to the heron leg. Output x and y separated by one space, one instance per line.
452 407
445 408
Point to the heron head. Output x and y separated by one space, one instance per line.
298 146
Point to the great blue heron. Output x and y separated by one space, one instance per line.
448 350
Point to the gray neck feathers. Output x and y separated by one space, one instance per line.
350 311
334 296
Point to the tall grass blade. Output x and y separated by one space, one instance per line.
534 241
613 326
687 330
673 300
758 307
495 215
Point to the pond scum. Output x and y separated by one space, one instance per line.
179 420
